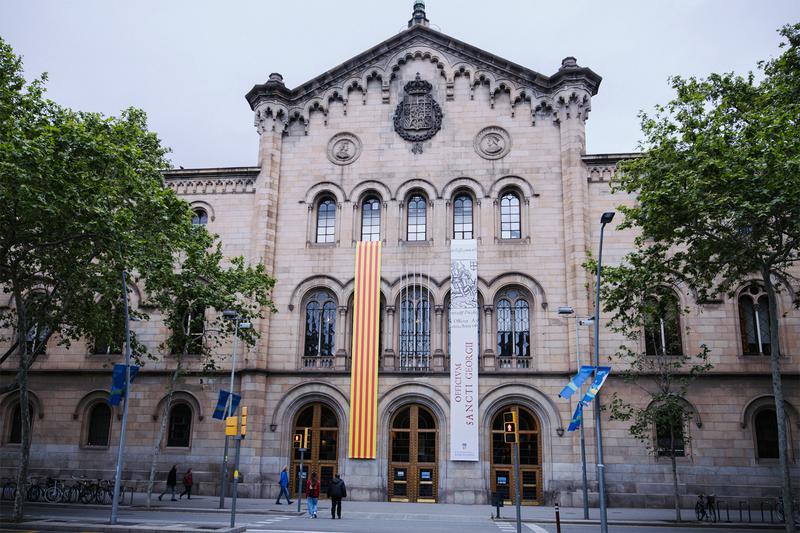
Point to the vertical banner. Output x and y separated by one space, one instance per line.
364 368
464 317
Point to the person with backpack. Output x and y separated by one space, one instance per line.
187 485
336 491
312 493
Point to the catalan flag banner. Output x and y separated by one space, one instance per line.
364 366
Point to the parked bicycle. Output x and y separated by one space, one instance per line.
706 508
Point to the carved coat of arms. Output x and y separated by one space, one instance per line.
418 117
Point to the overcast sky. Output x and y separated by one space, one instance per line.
189 64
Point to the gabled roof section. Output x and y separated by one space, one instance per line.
420 34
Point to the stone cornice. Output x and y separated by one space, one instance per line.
601 167
570 74
233 180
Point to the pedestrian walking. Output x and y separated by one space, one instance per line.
172 480
336 491
187 485
312 493
284 482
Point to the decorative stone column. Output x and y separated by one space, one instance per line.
488 357
388 350
341 328
438 353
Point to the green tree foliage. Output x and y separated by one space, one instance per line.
718 197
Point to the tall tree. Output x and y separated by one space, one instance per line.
718 189
192 295
81 200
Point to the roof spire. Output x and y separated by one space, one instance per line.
418 17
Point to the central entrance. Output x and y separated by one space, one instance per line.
413 454
530 458
322 453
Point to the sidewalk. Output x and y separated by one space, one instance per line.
441 512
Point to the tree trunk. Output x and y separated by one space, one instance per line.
161 430
674 474
24 411
777 390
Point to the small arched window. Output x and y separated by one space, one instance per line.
754 321
510 219
320 325
99 425
199 217
662 333
417 218
326 221
462 217
15 428
513 324
669 432
371 219
765 424
179 430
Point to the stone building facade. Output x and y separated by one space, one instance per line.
496 154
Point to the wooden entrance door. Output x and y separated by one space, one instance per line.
323 451
413 454
530 458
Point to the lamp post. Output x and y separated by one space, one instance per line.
580 321
230 314
607 217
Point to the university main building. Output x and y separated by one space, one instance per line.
405 151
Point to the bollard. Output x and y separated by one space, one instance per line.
749 514
728 510
558 520
741 519
761 508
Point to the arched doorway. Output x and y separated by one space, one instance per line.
323 450
530 458
413 454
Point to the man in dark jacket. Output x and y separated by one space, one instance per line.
336 491
172 480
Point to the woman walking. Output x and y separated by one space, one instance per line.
187 485
312 493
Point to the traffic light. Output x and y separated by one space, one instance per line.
230 426
306 436
510 427
244 421
298 440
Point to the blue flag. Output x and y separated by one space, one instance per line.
599 378
577 418
118 383
220 411
577 381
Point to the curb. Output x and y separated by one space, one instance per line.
107 528
655 523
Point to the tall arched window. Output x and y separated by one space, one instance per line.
15 428
371 220
99 425
326 220
179 430
765 424
662 333
510 221
199 217
754 321
669 431
462 217
417 218
320 326
415 329
513 328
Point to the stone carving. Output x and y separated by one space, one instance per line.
418 117
492 143
344 148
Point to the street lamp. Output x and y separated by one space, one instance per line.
607 217
230 314
566 312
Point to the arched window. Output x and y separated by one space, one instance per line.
662 333
669 429
191 333
415 329
371 219
417 218
199 217
754 321
326 220
765 423
99 425
510 221
462 217
320 325
36 329
15 428
513 328
179 430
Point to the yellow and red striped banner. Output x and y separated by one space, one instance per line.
364 367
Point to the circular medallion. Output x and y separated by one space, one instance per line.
344 148
492 143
